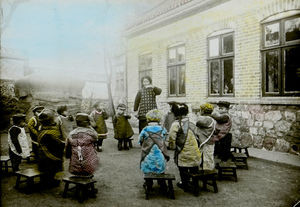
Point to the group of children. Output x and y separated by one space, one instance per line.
194 145
54 134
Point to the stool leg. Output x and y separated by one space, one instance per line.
247 153
80 193
94 191
234 174
214 182
220 173
204 181
18 181
66 190
171 190
246 163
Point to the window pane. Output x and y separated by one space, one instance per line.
272 72
228 76
228 44
142 63
214 77
148 61
181 79
292 69
172 78
213 47
272 34
292 29
181 54
172 55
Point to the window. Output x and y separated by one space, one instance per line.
145 66
280 53
176 70
220 64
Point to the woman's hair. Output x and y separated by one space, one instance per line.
147 77
96 104
180 109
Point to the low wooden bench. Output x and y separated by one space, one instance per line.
29 175
4 163
84 187
240 150
240 159
227 169
149 178
208 177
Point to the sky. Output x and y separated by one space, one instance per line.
67 34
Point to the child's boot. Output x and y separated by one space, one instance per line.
119 145
125 144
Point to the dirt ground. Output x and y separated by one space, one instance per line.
120 183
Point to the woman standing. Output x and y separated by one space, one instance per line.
145 100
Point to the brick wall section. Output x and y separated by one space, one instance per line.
244 20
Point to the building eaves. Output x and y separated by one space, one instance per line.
167 12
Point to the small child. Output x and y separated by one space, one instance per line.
154 150
65 121
168 119
223 137
80 147
34 127
98 117
122 128
17 141
206 125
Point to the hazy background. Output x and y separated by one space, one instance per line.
67 35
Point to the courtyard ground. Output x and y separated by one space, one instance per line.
120 183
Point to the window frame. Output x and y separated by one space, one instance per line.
281 48
146 70
221 57
176 66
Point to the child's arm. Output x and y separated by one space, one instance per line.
92 120
105 116
31 126
157 90
173 134
220 118
137 101
14 133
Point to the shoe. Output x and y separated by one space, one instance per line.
182 186
99 149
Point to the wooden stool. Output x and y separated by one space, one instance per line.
159 177
83 186
227 169
240 149
29 175
208 177
240 159
4 160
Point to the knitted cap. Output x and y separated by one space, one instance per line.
154 115
82 117
207 108
37 108
224 104
17 118
47 117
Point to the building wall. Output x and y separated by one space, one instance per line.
252 113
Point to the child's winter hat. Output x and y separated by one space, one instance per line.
37 108
17 118
207 108
154 115
121 106
47 117
224 104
